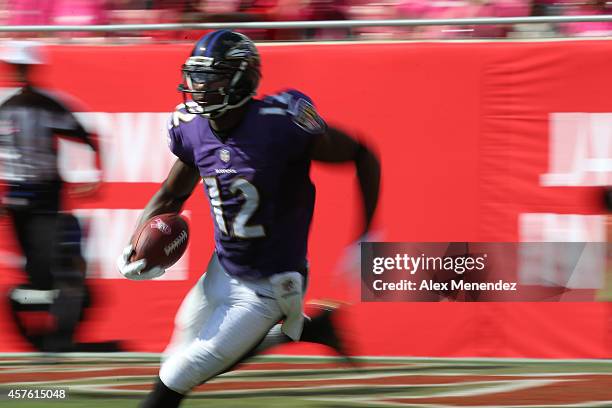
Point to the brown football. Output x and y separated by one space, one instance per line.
161 240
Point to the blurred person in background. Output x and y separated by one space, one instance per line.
289 10
28 12
48 308
254 10
78 12
328 10
375 10
455 9
56 12
151 12
586 29
536 30
254 156
221 11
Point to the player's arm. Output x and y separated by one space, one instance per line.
335 146
170 198
92 140
66 126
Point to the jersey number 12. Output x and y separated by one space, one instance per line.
239 227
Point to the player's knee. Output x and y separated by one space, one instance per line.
191 367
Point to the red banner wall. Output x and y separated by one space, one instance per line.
463 131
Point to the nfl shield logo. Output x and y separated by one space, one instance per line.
224 155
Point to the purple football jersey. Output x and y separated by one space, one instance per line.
257 181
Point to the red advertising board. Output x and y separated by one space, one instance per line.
478 142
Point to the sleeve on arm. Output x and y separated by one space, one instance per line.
65 123
178 144
306 123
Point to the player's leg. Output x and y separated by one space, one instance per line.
195 309
68 273
234 320
324 328
321 328
193 312
30 303
69 279
232 331
240 318
36 234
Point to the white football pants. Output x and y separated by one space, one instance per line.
221 319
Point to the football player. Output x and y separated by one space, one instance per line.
254 158
31 121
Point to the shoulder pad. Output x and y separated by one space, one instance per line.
306 117
179 115
301 109
287 97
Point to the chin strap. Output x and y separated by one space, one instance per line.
227 107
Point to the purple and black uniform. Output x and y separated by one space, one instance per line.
257 181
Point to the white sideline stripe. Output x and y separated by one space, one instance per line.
325 373
504 385
370 401
144 379
105 356
499 387
463 373
512 385
261 374
41 370
272 380
333 370
130 379
63 368
588 404
317 358
322 377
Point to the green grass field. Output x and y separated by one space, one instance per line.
120 381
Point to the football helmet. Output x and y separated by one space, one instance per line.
222 73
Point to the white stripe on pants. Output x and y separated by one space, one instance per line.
221 319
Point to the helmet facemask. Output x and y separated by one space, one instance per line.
212 88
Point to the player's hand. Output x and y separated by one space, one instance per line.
350 262
348 268
135 270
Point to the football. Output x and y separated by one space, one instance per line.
161 240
